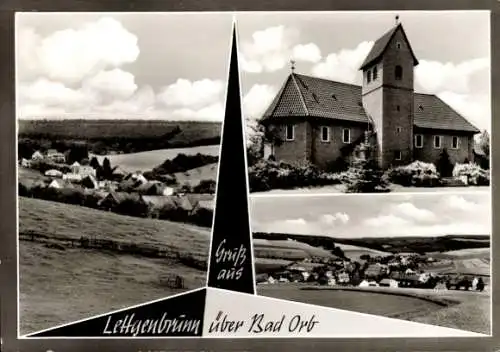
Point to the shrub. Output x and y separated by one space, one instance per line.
475 174
444 165
365 176
205 186
267 174
417 174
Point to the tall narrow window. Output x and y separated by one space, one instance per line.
437 142
455 142
398 73
398 155
346 135
369 76
375 73
419 141
398 45
398 129
290 132
325 134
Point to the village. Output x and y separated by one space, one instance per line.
403 270
48 176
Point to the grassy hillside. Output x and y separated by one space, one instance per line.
355 252
71 221
145 161
194 176
60 285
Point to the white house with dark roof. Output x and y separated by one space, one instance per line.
322 121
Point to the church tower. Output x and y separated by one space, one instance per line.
388 96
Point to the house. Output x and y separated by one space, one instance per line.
118 173
90 182
37 156
343 278
56 156
405 280
324 122
157 204
25 163
154 188
54 173
55 184
271 280
72 177
136 176
368 283
114 199
331 281
388 283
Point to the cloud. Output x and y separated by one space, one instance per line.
111 84
411 212
386 221
70 55
185 93
271 49
344 65
460 203
213 112
332 219
258 98
435 77
307 53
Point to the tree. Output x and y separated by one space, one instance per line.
484 143
106 169
444 166
365 175
94 163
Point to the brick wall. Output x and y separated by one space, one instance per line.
428 153
295 151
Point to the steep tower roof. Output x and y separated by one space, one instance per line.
381 44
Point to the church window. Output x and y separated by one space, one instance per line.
375 73
398 45
437 142
369 76
398 155
290 132
419 141
346 135
325 134
398 73
455 142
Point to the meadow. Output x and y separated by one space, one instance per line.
64 284
146 161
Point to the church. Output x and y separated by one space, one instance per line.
322 121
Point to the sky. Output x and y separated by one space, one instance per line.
142 65
453 49
374 215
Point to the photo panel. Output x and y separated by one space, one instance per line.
366 101
416 257
119 128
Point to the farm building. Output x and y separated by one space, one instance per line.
37 156
154 188
324 122
118 173
388 283
368 283
159 204
405 280
25 163
54 173
114 199
72 177
90 182
55 184
136 176
56 156
183 203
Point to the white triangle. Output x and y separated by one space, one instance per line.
241 307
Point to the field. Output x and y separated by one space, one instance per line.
444 308
146 161
287 250
472 261
355 252
194 176
60 286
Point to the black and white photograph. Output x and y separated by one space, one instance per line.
366 102
119 120
417 257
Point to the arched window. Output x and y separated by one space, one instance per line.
398 73
375 73
369 76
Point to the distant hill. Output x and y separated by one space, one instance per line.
419 244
